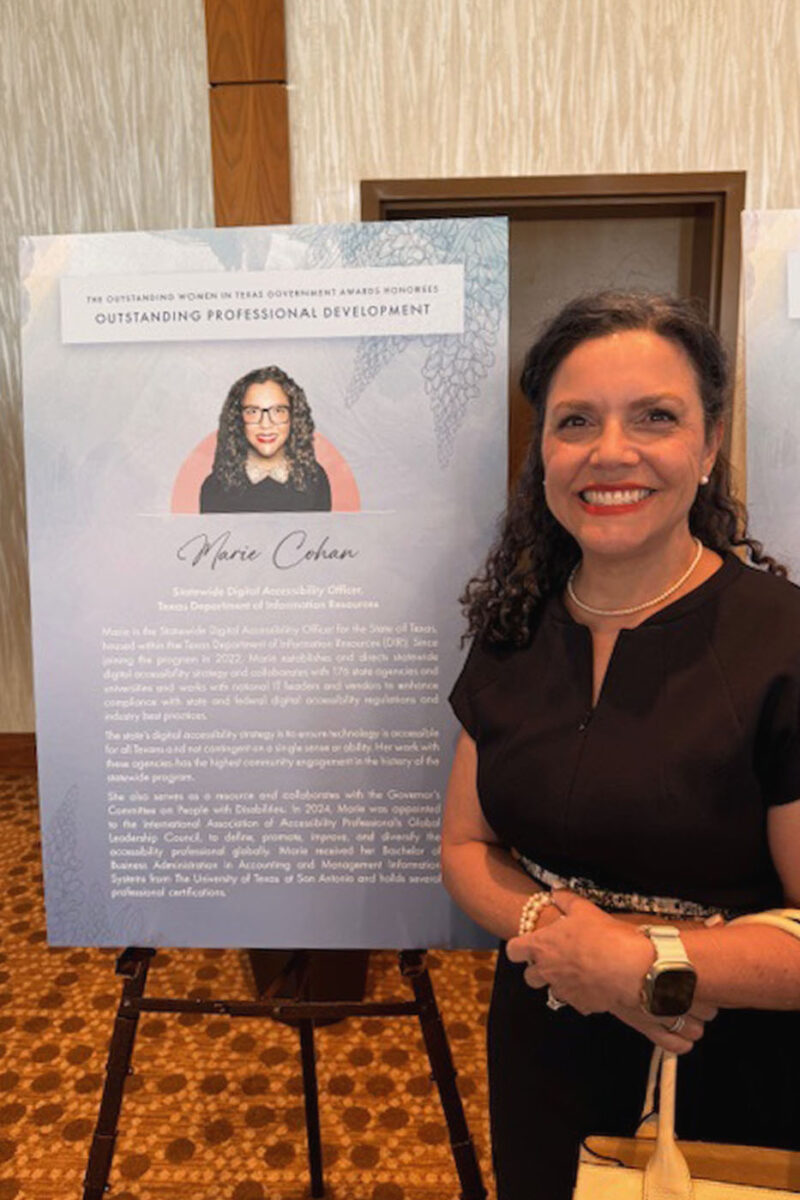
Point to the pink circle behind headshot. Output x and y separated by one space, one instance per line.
186 490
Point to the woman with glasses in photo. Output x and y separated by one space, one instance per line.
264 461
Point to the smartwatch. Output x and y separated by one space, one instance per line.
668 987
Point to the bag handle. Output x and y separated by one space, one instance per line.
648 1119
666 1176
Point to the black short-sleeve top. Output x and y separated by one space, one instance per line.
663 787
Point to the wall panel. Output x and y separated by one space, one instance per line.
245 40
250 152
382 89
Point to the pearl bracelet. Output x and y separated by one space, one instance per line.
532 910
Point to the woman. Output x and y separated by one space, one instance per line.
264 461
631 743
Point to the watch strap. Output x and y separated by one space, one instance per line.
667 943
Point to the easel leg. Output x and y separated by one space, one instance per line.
412 966
308 1059
133 964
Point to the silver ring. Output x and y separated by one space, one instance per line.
677 1025
553 1001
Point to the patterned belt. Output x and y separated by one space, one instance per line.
662 906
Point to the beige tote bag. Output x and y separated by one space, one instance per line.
666 1174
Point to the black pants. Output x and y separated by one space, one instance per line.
556 1077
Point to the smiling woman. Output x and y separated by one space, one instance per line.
264 459
624 446
631 745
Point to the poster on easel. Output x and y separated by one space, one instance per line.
261 465
771 247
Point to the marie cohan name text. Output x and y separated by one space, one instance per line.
292 550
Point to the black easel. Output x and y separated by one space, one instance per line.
133 965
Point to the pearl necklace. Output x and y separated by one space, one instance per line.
634 608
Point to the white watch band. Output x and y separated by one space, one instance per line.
667 943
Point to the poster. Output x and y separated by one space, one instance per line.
772 327
261 465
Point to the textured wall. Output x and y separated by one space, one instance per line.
105 126
417 88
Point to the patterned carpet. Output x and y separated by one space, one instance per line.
214 1107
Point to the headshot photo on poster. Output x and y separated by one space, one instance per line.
266 455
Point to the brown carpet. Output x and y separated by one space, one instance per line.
214 1108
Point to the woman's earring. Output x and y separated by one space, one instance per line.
703 480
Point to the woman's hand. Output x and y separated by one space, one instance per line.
589 959
596 963
658 1029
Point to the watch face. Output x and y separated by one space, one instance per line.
671 991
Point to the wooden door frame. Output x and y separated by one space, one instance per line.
717 195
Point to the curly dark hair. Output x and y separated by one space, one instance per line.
232 445
533 554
